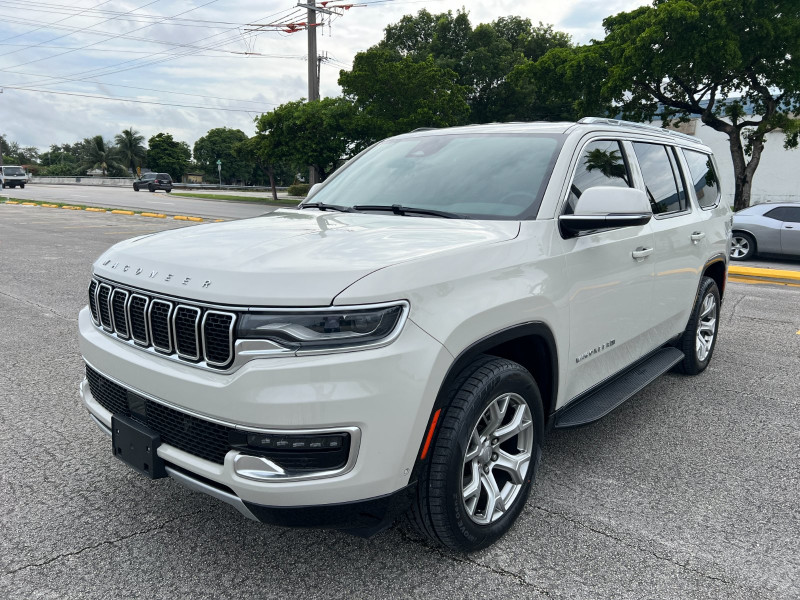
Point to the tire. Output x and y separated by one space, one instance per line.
700 337
135 188
169 190
151 188
22 186
743 246
491 395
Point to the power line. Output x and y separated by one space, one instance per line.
49 24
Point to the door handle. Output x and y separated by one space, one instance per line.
697 236
641 253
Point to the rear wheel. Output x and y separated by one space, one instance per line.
743 246
151 187
135 187
700 337
482 464
168 190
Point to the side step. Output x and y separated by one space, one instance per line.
609 395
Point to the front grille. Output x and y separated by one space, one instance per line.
93 300
191 333
188 433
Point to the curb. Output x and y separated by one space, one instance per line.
757 275
115 211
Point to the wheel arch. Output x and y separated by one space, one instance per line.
717 269
532 345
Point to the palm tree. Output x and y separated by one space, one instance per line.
130 149
99 155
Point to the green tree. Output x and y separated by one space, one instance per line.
396 94
130 150
319 133
99 154
165 155
218 144
735 64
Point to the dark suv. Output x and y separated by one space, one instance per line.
153 182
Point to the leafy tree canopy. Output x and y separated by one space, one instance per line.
130 148
319 133
165 155
100 154
218 144
711 59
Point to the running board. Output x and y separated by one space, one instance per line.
601 401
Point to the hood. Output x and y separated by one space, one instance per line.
288 257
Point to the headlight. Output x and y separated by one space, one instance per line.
325 329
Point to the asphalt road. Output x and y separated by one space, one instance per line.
124 197
689 490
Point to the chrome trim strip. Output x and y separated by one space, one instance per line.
168 349
230 337
145 318
94 297
101 425
110 327
200 486
124 312
355 432
197 312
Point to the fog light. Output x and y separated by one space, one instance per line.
298 452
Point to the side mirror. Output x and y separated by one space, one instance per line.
606 208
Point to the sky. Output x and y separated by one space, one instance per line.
187 66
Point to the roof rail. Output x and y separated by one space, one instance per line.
422 129
622 123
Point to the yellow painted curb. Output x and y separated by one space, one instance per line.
180 218
154 215
218 220
764 274
66 207
92 209
195 219
50 205
11 202
29 204
122 212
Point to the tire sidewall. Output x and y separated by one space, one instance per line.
751 250
708 287
473 535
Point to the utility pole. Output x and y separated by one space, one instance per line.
313 80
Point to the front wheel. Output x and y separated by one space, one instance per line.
479 472
22 186
135 188
700 337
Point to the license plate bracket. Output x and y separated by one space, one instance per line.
136 445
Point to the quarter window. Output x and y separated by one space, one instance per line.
787 214
704 178
602 164
664 187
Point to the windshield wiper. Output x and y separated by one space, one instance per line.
323 206
399 209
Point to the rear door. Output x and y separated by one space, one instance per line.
680 238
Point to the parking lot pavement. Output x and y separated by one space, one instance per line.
689 490
126 198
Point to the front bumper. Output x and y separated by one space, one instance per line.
386 393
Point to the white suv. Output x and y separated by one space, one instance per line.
404 339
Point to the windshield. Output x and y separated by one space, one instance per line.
482 176
13 171
149 176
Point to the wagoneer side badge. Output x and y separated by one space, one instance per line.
594 351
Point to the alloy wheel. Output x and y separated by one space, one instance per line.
739 247
706 327
497 458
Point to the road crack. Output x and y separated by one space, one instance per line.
682 565
123 538
47 308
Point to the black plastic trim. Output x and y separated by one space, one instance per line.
363 518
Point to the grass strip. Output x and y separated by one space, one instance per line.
280 201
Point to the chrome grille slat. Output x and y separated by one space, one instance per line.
103 308
159 314
184 326
119 313
198 334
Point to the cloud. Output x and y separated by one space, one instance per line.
190 76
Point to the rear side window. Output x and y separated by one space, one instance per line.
704 178
664 185
601 164
787 214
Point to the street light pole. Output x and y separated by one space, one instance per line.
219 172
